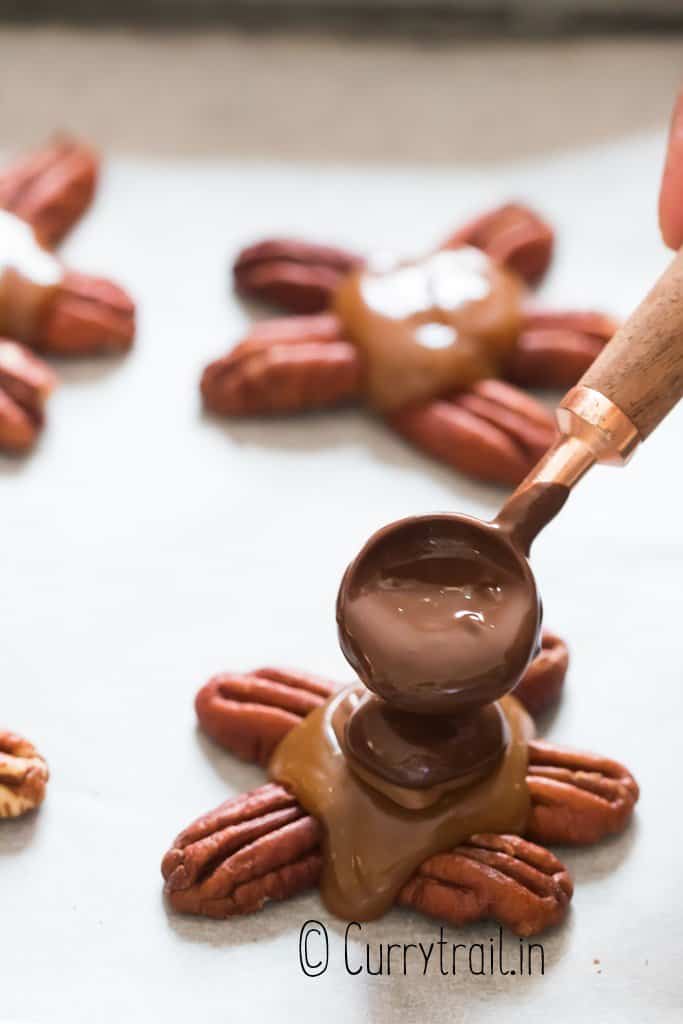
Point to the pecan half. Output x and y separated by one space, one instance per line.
283 366
51 188
18 431
492 432
25 384
555 349
263 846
296 275
577 798
590 322
505 878
541 685
258 847
250 713
87 316
513 235
23 775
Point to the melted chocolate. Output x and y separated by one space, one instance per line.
431 326
423 751
29 275
529 509
439 614
372 845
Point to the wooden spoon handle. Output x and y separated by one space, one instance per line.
641 368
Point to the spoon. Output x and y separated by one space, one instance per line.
440 614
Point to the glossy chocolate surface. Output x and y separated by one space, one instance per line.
528 510
422 751
439 614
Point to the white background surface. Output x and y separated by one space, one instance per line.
145 546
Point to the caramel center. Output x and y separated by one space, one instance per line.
431 326
372 845
29 274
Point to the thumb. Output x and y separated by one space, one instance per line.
671 194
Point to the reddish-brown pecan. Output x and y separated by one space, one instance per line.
289 331
590 322
23 775
541 685
555 349
263 846
576 798
513 235
500 877
250 713
18 431
51 188
25 384
492 432
86 316
295 275
302 277
284 366
258 847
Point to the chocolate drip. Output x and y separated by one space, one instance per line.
422 751
529 509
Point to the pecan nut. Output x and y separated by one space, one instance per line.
501 877
284 366
555 349
577 798
86 316
263 846
258 847
23 775
298 276
513 235
25 384
541 685
51 188
249 714
493 431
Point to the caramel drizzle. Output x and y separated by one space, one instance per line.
29 276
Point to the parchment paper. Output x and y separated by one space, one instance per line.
145 546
